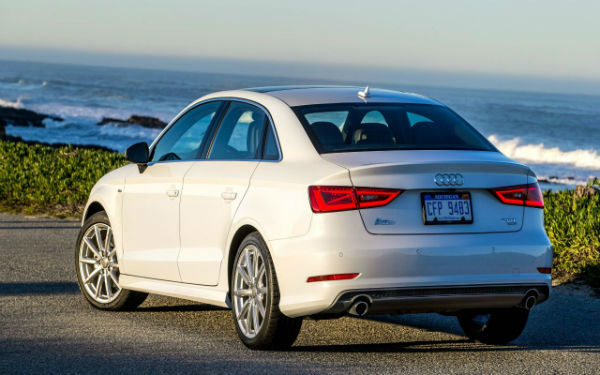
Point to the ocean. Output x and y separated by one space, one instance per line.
557 135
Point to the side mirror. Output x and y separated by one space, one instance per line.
137 153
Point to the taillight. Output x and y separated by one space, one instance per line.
342 198
521 195
546 270
374 197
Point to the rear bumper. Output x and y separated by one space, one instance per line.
435 299
390 266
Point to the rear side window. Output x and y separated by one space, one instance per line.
270 151
372 127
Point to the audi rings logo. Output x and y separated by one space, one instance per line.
449 179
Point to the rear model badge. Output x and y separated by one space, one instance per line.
379 221
510 220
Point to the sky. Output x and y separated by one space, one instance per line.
549 45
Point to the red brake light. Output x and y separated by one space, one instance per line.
546 270
374 197
341 198
331 198
340 276
521 195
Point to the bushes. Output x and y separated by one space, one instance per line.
37 179
573 226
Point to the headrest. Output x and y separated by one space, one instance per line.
372 133
254 133
327 133
427 132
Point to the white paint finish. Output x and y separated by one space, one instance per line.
151 220
330 95
106 193
211 195
199 293
389 261
278 195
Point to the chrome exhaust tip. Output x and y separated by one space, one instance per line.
359 308
530 300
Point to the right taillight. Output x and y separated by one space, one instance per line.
521 195
342 198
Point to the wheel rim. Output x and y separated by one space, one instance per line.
250 291
98 265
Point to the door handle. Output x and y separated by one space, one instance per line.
173 193
228 195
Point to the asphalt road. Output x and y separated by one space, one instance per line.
47 327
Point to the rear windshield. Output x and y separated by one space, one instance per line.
374 127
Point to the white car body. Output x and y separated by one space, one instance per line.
177 224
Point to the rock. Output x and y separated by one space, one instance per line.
110 120
148 122
24 117
145 121
585 191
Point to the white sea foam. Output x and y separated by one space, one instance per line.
7 103
538 153
563 181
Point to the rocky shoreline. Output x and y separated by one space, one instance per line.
25 117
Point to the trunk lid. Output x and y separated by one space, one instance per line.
414 172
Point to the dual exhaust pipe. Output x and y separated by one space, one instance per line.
360 305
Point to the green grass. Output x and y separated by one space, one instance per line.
36 179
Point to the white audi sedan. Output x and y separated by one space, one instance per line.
290 202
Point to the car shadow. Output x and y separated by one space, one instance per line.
180 308
556 326
38 288
39 227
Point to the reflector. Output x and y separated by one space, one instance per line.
339 276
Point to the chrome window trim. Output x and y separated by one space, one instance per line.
221 99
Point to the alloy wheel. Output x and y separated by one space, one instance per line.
250 291
98 266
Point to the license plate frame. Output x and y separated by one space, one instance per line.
462 194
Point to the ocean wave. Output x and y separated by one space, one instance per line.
569 181
538 153
7 103
129 131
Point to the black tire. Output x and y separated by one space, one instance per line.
127 299
497 327
277 331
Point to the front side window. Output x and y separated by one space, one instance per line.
183 140
240 135
373 127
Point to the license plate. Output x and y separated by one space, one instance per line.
447 208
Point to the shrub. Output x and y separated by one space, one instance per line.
39 179
573 226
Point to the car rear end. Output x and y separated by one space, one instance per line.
425 224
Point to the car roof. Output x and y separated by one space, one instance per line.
309 95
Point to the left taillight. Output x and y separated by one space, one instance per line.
343 198
521 195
